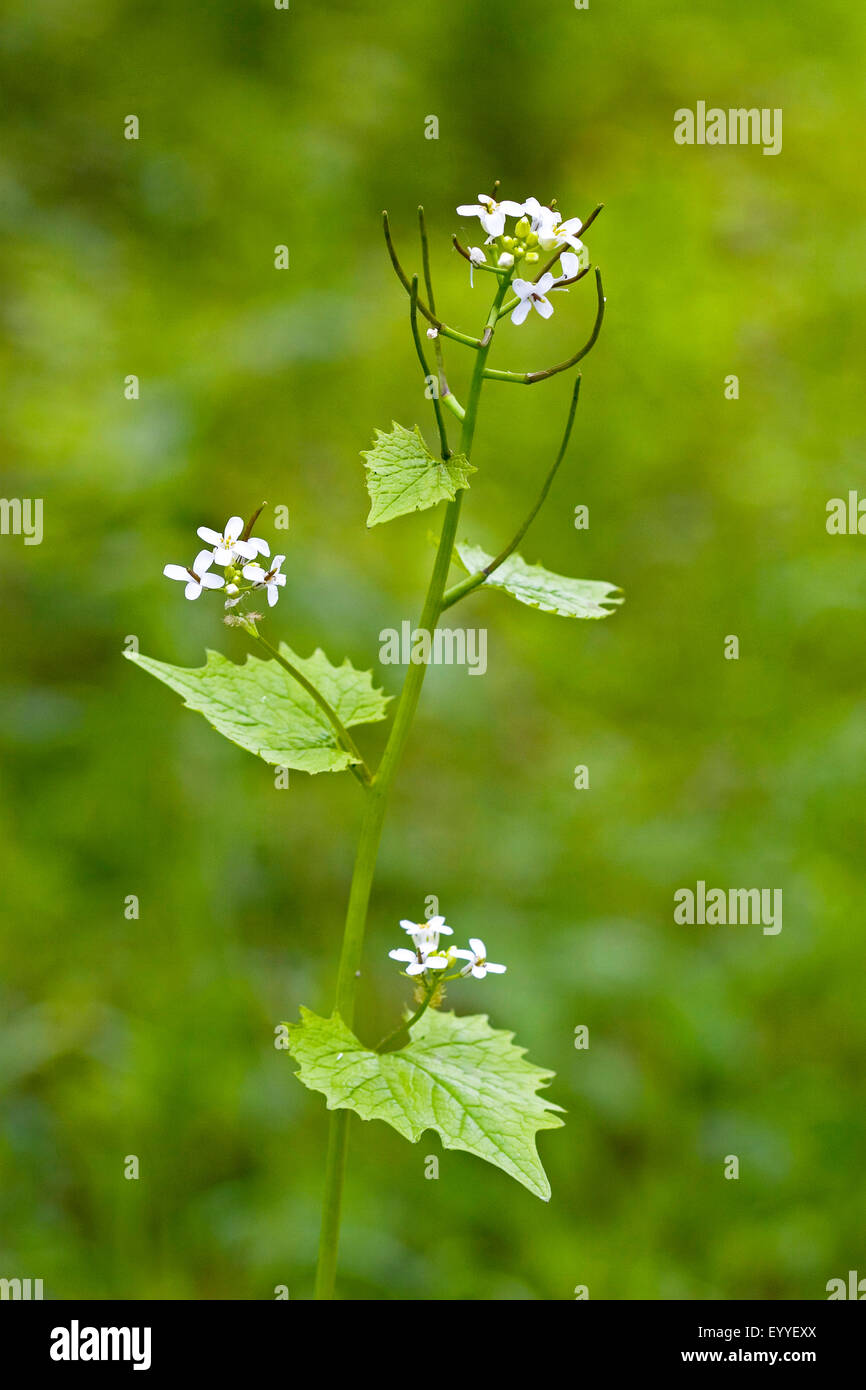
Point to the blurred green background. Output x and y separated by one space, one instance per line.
155 1037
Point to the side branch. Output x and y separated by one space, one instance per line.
359 768
437 409
474 581
491 269
428 281
530 378
431 318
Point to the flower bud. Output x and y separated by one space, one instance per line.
519 253
523 226
531 257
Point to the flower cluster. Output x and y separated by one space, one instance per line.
426 954
538 229
237 554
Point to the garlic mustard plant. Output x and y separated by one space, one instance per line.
437 1069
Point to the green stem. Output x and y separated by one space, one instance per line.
371 827
335 1169
358 765
404 1028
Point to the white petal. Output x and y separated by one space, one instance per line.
522 287
544 307
465 955
245 550
203 561
496 969
415 969
478 946
402 954
571 227
176 572
212 581
234 528
493 223
192 590
273 594
570 264
212 537
277 561
409 926
222 556
521 311
470 210
253 572
260 547
545 283
479 971
513 209
436 962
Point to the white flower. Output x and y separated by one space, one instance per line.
268 579
425 939
419 960
196 577
432 332
229 546
476 257
479 966
553 232
533 296
426 934
491 213
537 211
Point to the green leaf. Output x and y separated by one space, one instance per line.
541 588
458 1076
261 708
403 476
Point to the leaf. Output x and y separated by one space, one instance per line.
260 707
541 588
458 1076
403 476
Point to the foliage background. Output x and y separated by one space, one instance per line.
154 1037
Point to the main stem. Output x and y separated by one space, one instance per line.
371 827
